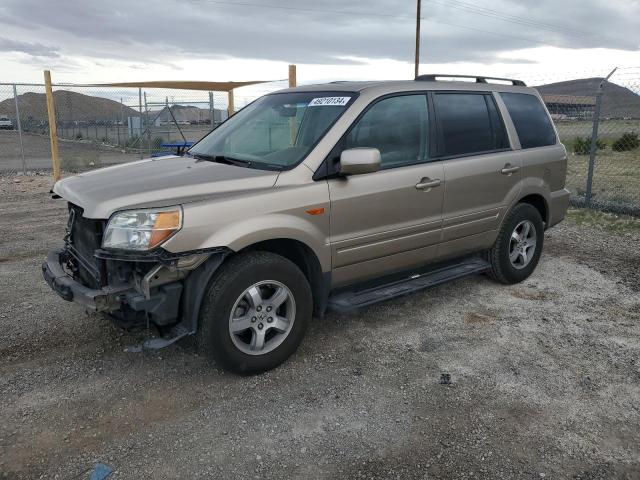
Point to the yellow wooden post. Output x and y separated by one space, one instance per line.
53 130
293 81
292 121
231 109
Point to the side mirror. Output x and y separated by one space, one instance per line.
359 160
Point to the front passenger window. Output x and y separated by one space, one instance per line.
397 126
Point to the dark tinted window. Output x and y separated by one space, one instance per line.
397 126
530 119
469 123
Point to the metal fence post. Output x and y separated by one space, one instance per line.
594 139
148 127
211 114
594 147
140 125
121 122
231 109
15 99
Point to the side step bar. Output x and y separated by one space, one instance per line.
351 300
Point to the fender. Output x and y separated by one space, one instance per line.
243 233
536 187
195 286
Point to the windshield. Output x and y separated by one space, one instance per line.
275 132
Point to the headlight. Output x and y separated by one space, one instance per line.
142 229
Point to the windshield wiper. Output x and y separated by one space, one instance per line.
222 159
237 161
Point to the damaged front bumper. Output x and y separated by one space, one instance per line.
96 300
167 293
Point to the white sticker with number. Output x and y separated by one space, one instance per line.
329 101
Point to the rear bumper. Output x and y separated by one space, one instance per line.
96 300
558 205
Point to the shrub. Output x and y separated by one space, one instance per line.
582 145
78 136
628 141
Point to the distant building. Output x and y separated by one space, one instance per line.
575 99
570 107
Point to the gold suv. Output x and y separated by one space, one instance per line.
331 196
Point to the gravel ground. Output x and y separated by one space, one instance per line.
75 155
545 378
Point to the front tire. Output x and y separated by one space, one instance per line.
517 250
255 313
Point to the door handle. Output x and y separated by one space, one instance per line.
426 183
509 169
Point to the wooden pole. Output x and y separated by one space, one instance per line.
417 60
231 108
53 131
293 80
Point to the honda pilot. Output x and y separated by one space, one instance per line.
312 199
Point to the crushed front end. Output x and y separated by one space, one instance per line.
132 288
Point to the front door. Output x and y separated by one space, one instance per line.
389 220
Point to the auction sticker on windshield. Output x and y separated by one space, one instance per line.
329 101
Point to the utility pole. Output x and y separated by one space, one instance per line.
418 8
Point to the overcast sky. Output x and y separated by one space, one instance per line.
98 41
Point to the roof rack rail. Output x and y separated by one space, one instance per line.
433 77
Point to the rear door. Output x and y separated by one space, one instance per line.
388 220
482 172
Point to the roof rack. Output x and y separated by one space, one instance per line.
433 77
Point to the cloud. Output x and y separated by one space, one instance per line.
32 49
315 31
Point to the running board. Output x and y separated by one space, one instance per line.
349 301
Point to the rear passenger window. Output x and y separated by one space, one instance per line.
532 123
397 126
469 123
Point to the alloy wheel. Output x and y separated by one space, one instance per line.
522 245
262 317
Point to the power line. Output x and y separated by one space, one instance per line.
306 9
489 13
372 14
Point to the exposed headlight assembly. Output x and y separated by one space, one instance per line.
142 230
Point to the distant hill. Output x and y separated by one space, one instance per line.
69 106
617 101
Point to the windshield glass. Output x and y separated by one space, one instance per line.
275 132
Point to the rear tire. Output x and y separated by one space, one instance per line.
518 247
255 313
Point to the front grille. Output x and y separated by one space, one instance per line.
84 237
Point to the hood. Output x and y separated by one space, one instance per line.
158 182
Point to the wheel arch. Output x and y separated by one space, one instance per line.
306 260
539 202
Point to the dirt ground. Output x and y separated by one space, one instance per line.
545 376
74 155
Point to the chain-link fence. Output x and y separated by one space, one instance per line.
99 126
598 121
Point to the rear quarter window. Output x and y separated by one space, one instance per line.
530 118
